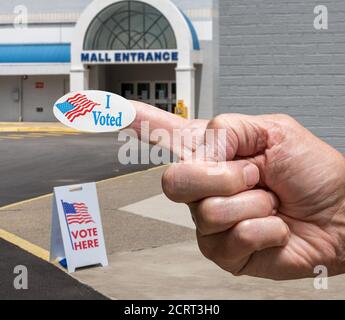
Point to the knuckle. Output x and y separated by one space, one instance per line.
176 182
169 183
206 250
286 119
217 122
219 255
243 235
207 216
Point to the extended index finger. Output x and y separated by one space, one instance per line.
170 131
157 119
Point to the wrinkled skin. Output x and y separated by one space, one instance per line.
281 223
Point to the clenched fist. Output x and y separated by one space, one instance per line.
276 209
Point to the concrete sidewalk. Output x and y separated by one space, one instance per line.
34 127
152 249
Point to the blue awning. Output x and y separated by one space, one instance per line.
196 43
35 53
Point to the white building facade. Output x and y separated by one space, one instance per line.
217 56
157 51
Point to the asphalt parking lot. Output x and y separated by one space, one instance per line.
44 281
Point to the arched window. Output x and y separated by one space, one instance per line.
129 25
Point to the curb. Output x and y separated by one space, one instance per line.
25 245
37 129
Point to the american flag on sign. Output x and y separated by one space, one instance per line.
76 106
77 213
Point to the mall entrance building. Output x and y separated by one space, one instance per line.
214 56
153 51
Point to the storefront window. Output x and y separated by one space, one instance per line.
144 91
129 25
127 90
161 91
173 91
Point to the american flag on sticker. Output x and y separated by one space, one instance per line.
76 106
77 213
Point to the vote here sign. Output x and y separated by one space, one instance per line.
77 233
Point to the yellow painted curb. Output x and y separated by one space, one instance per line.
25 245
9 206
37 129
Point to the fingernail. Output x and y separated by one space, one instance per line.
251 175
275 201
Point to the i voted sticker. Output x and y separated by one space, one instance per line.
94 111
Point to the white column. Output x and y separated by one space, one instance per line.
79 79
185 86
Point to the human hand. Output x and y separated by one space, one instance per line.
293 220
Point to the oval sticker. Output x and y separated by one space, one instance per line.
94 111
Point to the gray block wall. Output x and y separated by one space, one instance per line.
272 60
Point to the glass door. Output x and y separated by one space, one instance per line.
161 94
127 90
165 95
144 92
173 96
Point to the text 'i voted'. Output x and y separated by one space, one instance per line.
94 111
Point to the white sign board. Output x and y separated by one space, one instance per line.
94 111
128 56
77 233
